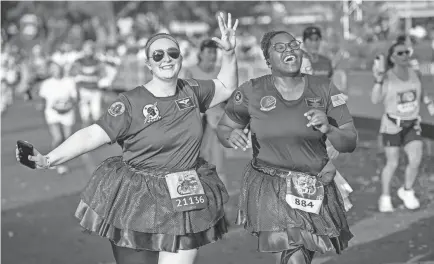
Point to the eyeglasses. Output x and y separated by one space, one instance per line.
281 47
401 53
158 55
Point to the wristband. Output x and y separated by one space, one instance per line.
47 161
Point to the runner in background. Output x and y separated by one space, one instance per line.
323 66
207 69
60 95
10 78
399 88
88 71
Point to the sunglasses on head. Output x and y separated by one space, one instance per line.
401 53
281 47
158 55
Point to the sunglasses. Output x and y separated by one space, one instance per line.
281 47
401 53
158 55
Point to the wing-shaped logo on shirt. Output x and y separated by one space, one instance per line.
185 103
314 102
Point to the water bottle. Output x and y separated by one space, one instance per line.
379 64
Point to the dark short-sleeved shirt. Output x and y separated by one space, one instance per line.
280 135
322 66
160 132
91 70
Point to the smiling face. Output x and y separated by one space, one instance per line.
400 55
288 62
168 67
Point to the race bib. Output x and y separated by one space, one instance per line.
304 192
186 191
63 106
407 101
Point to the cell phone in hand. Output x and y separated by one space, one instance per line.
25 149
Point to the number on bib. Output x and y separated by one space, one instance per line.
186 191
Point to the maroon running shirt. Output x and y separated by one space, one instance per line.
159 132
280 136
322 66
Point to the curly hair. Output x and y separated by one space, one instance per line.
266 42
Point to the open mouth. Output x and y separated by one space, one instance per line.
167 67
289 59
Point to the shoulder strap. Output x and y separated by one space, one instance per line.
191 82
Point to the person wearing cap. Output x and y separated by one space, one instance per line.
207 69
158 202
288 198
321 65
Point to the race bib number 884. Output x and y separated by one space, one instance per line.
305 193
186 191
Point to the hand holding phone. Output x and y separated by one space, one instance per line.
24 150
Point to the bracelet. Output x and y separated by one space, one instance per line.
48 162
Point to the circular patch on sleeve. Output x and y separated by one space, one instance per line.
116 109
238 97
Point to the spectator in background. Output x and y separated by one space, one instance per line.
207 69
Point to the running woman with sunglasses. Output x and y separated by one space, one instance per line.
159 202
288 197
400 90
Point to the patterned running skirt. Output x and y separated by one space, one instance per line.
133 209
264 212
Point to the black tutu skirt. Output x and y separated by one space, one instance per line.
133 209
265 213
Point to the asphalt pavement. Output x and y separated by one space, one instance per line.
38 225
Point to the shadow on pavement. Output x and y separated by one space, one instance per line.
412 245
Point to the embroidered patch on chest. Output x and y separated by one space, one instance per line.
185 103
268 103
316 102
151 113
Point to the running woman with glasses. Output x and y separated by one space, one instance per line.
159 202
400 90
288 197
